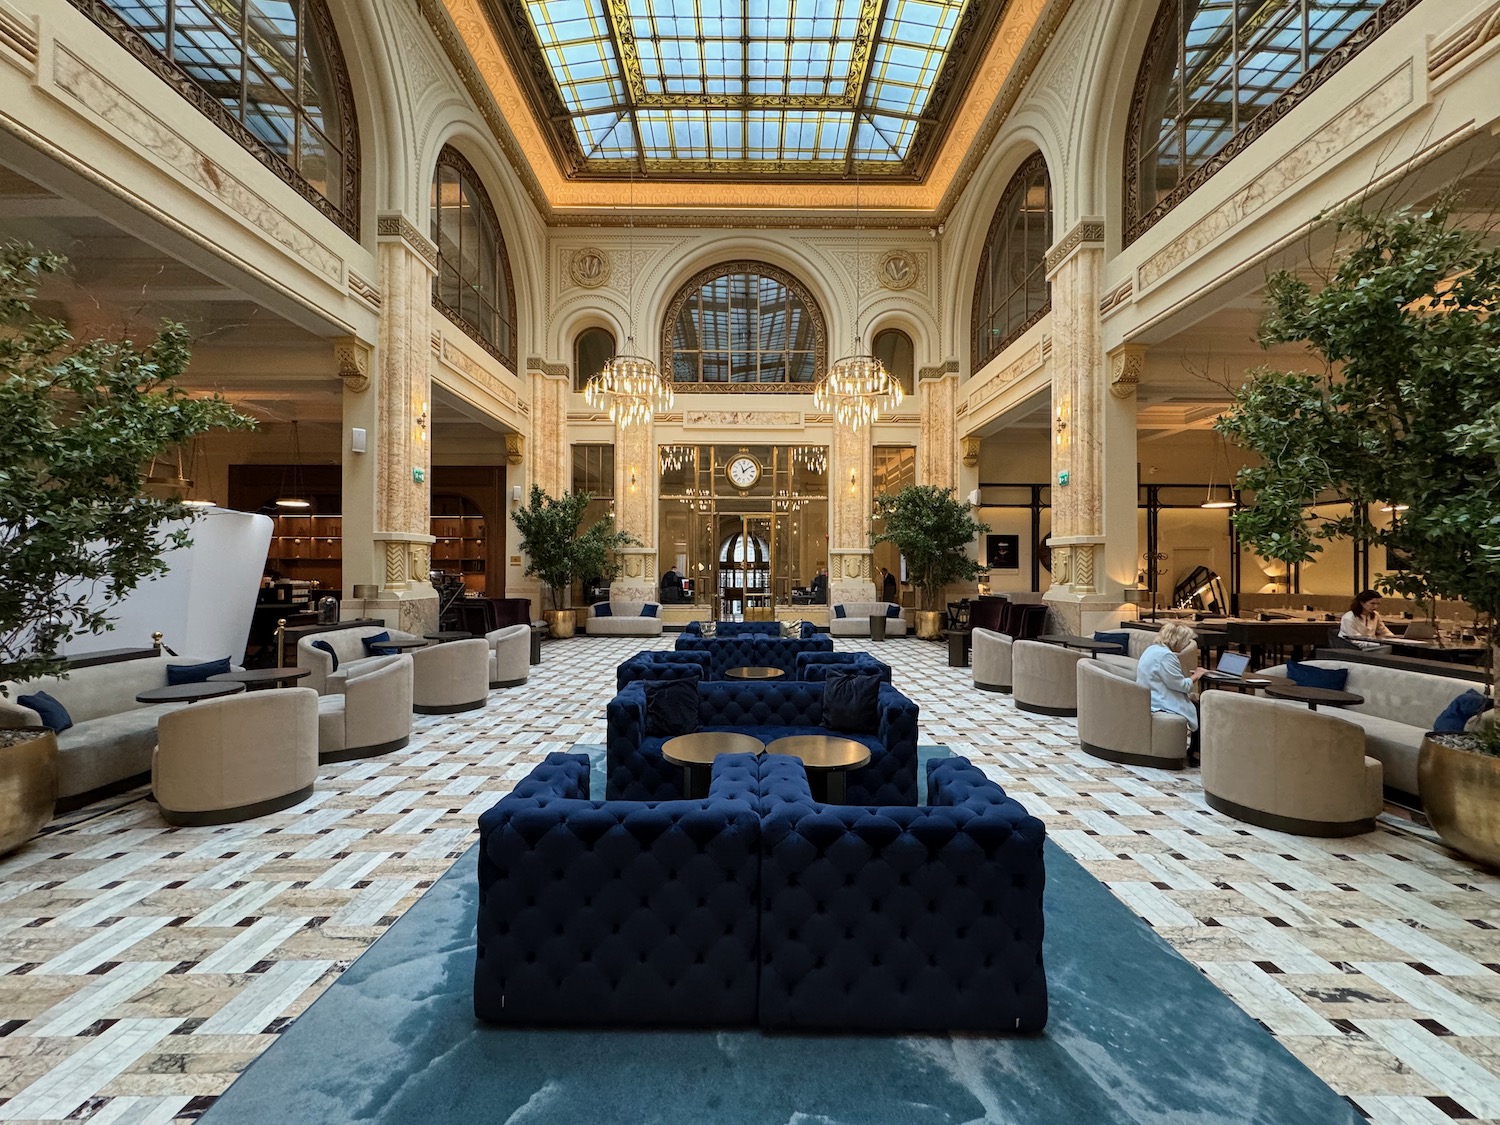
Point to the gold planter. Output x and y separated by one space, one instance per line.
1461 793
560 622
28 787
929 624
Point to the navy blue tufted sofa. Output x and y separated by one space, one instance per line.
746 628
619 913
815 665
754 650
900 919
768 710
662 665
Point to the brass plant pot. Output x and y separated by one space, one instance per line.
1461 793
929 624
560 622
28 786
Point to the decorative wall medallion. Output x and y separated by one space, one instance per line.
898 270
852 566
589 267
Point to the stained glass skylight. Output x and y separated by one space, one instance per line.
796 87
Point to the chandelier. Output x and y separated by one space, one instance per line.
813 458
630 388
675 457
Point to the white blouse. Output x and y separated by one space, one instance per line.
1356 628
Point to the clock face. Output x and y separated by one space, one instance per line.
743 471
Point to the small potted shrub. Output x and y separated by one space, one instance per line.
557 552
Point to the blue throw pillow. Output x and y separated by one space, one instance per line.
671 708
648 610
838 611
195 673
371 641
1456 715
324 646
1122 639
53 714
603 609
1305 675
893 611
851 701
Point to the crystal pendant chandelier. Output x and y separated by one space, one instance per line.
857 387
813 458
675 457
629 387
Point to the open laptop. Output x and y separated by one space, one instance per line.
1231 669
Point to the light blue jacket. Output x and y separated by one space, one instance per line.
1160 671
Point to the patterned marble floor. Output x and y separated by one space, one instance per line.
142 967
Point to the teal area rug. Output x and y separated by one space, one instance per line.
1136 1035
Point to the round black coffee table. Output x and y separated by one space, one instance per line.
754 673
258 679
1312 696
696 752
397 646
449 635
188 693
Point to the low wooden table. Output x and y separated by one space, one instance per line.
1087 644
1312 696
188 693
257 679
827 759
696 752
754 673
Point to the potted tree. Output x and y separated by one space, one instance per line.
934 532
557 552
1404 408
79 421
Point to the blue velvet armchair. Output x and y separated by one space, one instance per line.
753 650
655 664
746 628
815 665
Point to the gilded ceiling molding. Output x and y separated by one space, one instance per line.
1447 54
1087 232
393 225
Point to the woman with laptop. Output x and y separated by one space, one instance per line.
1160 670
1362 624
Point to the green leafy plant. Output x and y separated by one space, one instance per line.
933 531
1405 408
79 422
557 551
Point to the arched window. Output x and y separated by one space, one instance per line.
269 73
1011 293
1210 73
593 348
472 287
894 350
741 325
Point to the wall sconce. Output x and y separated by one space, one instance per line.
632 478
422 424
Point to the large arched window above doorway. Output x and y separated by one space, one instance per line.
894 349
593 348
743 326
1216 75
473 284
270 73
1011 292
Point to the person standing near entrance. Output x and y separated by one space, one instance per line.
820 586
890 591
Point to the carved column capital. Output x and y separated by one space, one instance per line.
971 451
515 449
353 358
1126 364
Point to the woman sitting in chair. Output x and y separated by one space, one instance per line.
1171 688
1362 624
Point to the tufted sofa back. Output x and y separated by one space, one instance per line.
619 912
654 664
815 665
911 919
753 650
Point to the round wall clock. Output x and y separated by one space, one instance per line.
743 471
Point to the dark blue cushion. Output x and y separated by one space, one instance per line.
893 610
851 700
648 610
324 646
1122 639
838 611
1456 715
671 708
195 673
1305 675
53 714
371 642
602 609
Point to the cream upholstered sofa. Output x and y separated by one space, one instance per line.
1043 677
236 758
348 645
510 655
372 715
626 619
1399 708
1116 723
452 677
856 619
112 735
991 659
1139 641
1282 766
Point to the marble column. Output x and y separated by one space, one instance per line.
548 461
635 511
1093 446
937 449
850 565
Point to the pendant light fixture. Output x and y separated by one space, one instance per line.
1228 500
167 477
294 498
857 387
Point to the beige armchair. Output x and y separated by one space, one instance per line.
235 758
349 645
371 716
1287 768
1116 723
991 660
1044 680
452 677
510 655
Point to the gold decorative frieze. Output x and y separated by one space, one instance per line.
551 370
1024 364
353 358
1087 232
478 373
743 419
949 367
393 224
1126 364
589 267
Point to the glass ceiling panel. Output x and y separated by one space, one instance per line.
684 85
